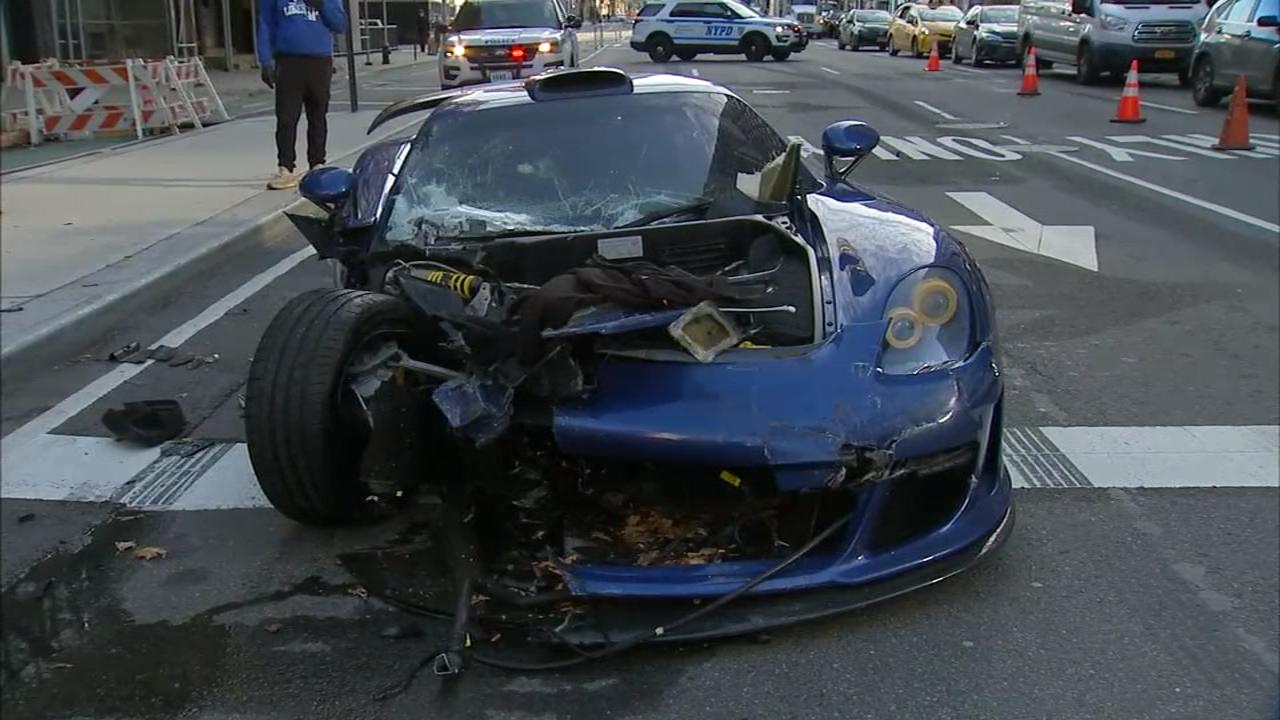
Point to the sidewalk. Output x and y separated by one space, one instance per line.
79 236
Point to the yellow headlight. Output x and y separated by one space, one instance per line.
935 301
458 51
905 328
545 46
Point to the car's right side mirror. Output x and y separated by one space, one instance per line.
845 144
1268 21
971 22
327 187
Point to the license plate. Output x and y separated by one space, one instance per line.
500 75
1164 54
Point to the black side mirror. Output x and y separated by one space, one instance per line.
1081 7
845 144
573 22
971 22
1268 21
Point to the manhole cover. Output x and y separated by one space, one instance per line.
973 125
1038 148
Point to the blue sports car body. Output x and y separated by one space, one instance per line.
870 401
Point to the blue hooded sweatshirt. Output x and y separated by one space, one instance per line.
292 27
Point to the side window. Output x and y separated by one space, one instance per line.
1240 11
718 11
650 10
1266 7
687 10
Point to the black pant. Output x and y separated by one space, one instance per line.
302 82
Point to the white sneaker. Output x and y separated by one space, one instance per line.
283 179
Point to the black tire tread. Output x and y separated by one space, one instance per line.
304 462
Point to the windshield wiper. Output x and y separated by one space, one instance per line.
522 232
699 206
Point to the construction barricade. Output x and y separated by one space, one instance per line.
138 95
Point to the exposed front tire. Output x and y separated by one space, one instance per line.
305 444
893 48
661 49
1086 66
755 48
915 48
781 55
840 45
1202 90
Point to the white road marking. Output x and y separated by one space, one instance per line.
1074 244
1170 108
1121 154
917 148
1208 141
101 470
1205 456
935 110
1184 147
964 69
767 91
1205 204
829 70
694 72
32 433
979 148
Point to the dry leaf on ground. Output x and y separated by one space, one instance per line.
125 545
150 553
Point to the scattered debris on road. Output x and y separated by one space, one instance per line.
123 545
26 518
272 628
150 553
148 422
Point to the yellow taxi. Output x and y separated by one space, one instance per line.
918 27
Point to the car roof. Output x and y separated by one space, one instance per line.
505 94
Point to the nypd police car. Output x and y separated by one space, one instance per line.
721 27
500 40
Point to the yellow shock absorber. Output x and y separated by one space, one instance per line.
460 283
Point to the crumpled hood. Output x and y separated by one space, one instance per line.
507 36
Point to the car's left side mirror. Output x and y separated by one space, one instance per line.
1268 21
845 144
327 187
573 21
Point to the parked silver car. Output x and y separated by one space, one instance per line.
864 27
1239 37
987 33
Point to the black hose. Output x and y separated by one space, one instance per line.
661 630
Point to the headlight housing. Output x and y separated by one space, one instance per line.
779 28
924 31
928 323
548 46
987 35
1113 22
456 49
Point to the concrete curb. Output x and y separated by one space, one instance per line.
61 322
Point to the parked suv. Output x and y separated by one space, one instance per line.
720 27
1239 37
1099 36
500 40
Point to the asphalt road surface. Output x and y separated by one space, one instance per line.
1136 279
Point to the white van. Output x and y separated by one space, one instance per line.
1098 36
806 16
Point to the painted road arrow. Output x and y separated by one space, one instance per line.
1072 244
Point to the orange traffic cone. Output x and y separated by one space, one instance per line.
1030 74
935 62
1235 129
1130 108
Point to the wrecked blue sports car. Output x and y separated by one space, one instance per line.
639 372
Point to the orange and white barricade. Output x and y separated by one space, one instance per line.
135 94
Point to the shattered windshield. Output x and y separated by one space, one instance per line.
490 14
579 164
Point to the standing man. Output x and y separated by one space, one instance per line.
424 29
295 50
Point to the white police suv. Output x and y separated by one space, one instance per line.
721 27
499 40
